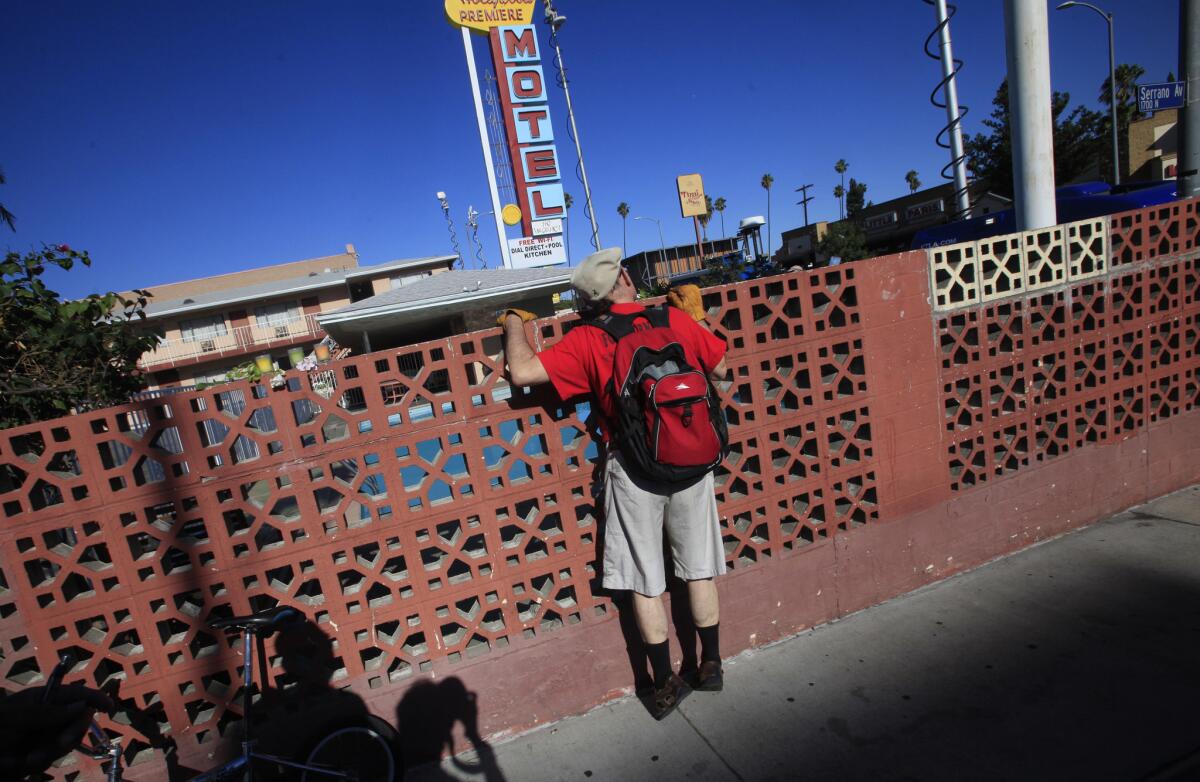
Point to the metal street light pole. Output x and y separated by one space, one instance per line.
556 20
1112 81
662 253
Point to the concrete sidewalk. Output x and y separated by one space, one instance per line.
1076 659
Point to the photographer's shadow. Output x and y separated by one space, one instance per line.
426 717
290 720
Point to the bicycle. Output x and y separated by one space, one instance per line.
104 747
351 752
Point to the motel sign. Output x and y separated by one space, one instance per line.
524 101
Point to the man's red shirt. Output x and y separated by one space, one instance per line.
582 361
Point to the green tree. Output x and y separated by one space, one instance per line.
6 216
61 356
914 183
856 197
767 181
623 210
839 192
1078 142
1127 112
719 205
844 240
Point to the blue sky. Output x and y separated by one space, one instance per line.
181 139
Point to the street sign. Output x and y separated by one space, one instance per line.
530 251
1165 95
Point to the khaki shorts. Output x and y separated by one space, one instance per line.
635 510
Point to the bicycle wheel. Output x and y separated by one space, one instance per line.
359 752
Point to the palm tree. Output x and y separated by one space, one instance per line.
6 216
839 192
708 213
914 184
623 210
767 181
841 167
719 205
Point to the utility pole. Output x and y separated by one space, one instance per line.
555 21
804 199
1028 46
1188 165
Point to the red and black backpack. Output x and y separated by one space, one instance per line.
670 426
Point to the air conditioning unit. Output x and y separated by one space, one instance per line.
281 332
207 345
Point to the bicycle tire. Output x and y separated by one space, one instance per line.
359 751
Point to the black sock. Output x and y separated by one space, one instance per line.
710 642
660 662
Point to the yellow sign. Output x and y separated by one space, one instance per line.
483 15
691 195
511 213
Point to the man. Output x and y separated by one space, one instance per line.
635 508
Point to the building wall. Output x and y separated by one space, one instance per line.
1153 146
884 434
889 226
659 267
181 363
283 271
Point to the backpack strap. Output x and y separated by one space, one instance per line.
659 317
618 326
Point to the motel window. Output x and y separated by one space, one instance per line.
196 329
272 315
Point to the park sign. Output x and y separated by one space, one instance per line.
484 15
691 195
1164 95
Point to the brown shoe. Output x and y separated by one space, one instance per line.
709 678
665 699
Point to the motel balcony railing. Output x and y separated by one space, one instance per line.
235 341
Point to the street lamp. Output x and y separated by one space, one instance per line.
1112 81
662 252
473 222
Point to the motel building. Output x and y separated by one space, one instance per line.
888 226
678 264
210 325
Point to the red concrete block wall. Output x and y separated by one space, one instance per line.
892 421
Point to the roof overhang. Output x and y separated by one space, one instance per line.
396 266
314 282
366 318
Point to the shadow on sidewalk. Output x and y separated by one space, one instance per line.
426 717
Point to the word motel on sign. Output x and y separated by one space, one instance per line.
527 117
